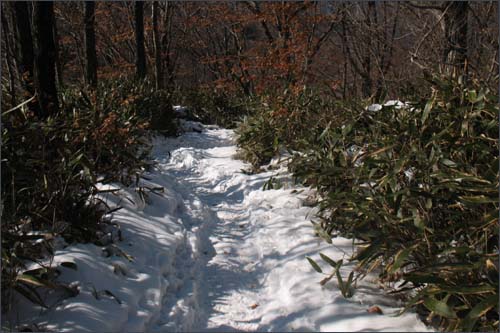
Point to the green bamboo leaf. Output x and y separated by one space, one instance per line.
399 259
339 280
417 219
31 280
428 203
325 131
322 233
478 199
314 265
474 290
472 96
427 110
439 307
478 311
484 306
346 130
343 160
448 163
350 279
328 260
368 252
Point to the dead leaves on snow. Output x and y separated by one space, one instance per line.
375 309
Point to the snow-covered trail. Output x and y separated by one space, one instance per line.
250 271
212 252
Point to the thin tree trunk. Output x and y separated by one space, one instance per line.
25 47
9 56
139 38
166 42
455 53
346 57
157 48
367 61
45 65
90 49
58 60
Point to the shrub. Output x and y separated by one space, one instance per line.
50 169
214 107
257 139
287 122
136 97
417 186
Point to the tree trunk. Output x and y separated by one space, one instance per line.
166 43
58 60
90 50
26 57
367 85
139 38
9 55
455 53
157 47
45 64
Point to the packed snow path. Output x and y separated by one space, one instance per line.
212 252
247 265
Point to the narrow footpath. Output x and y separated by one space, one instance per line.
203 247
248 267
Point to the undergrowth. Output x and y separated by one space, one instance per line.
287 122
215 107
50 168
416 186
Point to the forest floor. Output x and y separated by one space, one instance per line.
212 252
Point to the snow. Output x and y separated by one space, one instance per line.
396 103
391 103
181 111
212 252
374 107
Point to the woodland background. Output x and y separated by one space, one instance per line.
351 50
86 84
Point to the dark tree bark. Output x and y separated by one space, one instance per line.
139 38
157 48
90 49
58 59
169 61
455 53
9 55
45 63
367 85
26 57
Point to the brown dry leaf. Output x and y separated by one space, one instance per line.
375 309
254 306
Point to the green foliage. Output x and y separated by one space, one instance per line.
286 122
272 184
213 107
50 169
137 97
346 287
418 187
257 139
